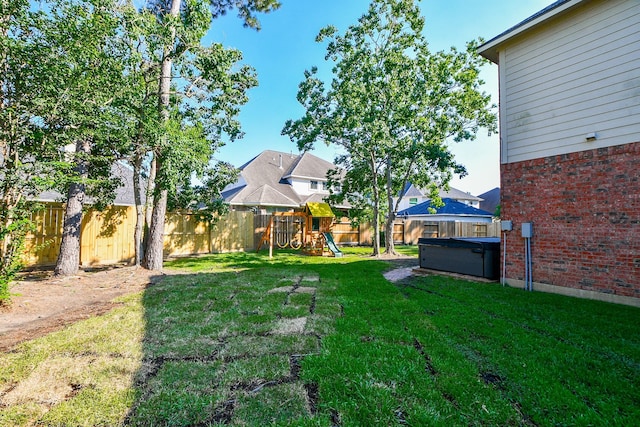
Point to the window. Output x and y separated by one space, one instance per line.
315 224
325 185
413 201
314 185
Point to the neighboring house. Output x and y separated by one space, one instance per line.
570 147
124 193
490 200
452 210
414 196
278 182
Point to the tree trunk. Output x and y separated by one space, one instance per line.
376 230
155 243
376 209
155 247
10 197
69 256
390 248
140 208
148 205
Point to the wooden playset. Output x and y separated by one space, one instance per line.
309 231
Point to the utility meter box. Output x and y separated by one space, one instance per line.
527 230
506 225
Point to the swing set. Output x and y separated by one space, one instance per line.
309 230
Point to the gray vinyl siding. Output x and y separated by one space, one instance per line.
577 74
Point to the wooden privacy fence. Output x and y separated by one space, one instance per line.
107 237
408 232
416 229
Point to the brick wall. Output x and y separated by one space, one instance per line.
585 209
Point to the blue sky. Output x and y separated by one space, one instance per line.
286 46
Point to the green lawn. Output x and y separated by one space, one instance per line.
243 340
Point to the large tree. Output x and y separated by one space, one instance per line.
393 105
53 91
84 60
17 158
211 74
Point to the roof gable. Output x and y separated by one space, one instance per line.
309 166
490 49
411 190
267 195
261 183
452 193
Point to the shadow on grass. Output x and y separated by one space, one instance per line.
224 341
245 340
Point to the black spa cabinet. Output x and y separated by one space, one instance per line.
474 256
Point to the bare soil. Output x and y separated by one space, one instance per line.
44 303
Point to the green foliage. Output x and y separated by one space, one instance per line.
211 87
204 198
204 109
62 80
12 235
200 91
85 79
246 9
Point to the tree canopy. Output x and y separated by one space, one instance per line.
394 106
204 86
88 82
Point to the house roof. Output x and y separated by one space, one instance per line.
260 182
267 195
411 190
308 166
452 193
491 200
263 180
490 49
124 194
451 207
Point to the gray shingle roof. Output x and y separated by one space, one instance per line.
267 195
309 166
124 193
491 200
263 179
452 193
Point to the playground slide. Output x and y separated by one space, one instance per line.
332 245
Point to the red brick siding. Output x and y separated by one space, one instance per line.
585 209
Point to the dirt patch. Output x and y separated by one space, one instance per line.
290 326
45 303
398 274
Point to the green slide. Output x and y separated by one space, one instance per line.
332 245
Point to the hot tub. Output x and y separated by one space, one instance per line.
477 256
